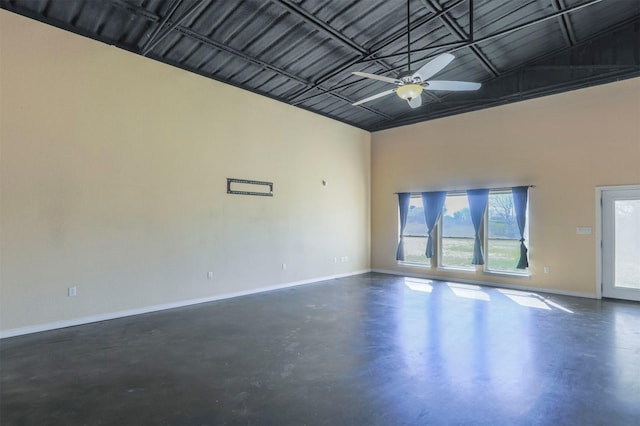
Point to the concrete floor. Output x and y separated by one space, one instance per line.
366 350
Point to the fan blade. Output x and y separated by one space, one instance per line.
415 102
377 77
454 86
370 98
434 66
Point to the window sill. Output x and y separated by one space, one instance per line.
524 276
414 265
453 269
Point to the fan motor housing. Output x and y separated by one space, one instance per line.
408 78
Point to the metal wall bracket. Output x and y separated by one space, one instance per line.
249 182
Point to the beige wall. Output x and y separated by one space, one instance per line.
113 179
113 173
565 144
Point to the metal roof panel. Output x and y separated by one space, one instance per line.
303 51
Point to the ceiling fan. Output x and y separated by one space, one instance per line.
410 84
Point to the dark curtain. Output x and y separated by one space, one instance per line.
432 203
520 196
403 203
478 199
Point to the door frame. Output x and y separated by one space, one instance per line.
599 193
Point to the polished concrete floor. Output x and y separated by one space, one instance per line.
367 350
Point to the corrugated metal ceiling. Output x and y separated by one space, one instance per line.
302 52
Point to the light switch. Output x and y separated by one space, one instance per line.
583 230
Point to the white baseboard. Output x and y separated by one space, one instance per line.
490 284
137 311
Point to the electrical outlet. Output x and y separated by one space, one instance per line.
335 260
284 266
546 269
209 275
72 291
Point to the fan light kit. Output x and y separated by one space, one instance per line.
409 91
411 84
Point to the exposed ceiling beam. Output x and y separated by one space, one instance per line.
402 33
326 28
462 44
334 34
161 36
372 55
457 30
212 43
219 46
330 31
159 27
442 46
612 67
319 24
565 25
570 68
508 30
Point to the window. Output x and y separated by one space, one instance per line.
502 249
500 237
457 234
415 233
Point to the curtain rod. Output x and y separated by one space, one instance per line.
504 188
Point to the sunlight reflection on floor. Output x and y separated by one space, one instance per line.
417 284
471 291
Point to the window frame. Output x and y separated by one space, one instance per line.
526 273
436 260
429 263
440 236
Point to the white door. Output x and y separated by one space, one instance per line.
621 243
